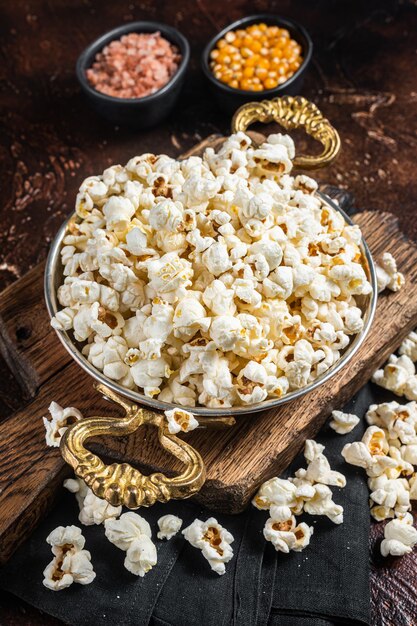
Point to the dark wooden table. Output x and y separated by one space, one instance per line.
363 77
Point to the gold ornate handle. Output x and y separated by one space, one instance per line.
120 483
293 112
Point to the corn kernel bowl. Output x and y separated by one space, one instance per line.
228 97
54 278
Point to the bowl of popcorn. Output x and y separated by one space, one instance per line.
133 74
257 57
222 283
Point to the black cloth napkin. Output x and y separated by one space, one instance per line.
325 584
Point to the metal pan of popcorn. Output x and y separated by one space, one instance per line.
328 313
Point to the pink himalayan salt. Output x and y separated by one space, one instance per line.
134 66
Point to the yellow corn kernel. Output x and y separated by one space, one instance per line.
270 83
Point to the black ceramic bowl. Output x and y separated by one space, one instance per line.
137 112
229 98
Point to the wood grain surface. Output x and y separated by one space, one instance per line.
362 77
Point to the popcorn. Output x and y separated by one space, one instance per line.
126 529
391 494
180 421
312 450
387 274
132 533
61 419
280 534
399 538
226 332
169 273
258 207
398 419
279 284
216 259
276 491
246 291
71 563
274 155
353 322
88 291
409 346
137 242
64 319
105 323
199 242
181 394
343 423
93 510
305 183
213 540
189 318
169 525
114 353
219 299
141 556
149 374
370 453
318 469
322 504
270 250
166 215
398 376
285 535
118 211
226 249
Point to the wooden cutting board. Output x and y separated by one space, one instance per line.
237 459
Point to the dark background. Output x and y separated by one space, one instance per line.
363 77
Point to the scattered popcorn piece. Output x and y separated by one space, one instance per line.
276 491
387 274
180 420
96 511
319 471
93 510
132 533
61 419
399 538
312 450
141 556
392 496
213 540
322 504
169 525
371 453
398 376
409 346
281 530
343 423
280 534
318 467
71 563
123 531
